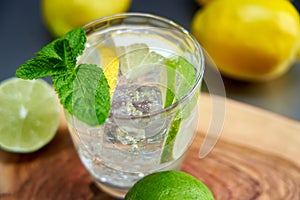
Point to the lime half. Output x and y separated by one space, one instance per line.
29 115
169 185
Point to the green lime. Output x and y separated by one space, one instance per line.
29 115
183 72
137 58
169 185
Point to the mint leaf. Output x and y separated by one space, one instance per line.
91 97
65 52
63 85
49 51
77 39
39 67
83 90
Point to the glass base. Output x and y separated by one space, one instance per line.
120 193
117 193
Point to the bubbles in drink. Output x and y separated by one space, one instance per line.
136 100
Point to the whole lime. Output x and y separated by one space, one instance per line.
252 40
169 185
61 16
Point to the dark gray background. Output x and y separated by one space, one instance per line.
23 33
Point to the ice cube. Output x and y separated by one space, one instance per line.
136 100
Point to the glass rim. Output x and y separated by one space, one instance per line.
199 75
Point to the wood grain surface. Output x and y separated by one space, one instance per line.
256 157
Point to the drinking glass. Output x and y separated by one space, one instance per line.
154 113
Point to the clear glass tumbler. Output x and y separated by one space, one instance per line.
155 70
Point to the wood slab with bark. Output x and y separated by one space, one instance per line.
256 157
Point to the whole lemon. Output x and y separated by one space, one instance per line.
61 16
203 2
252 40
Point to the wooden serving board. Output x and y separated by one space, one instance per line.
256 157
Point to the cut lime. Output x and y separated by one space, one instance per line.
136 58
178 138
169 185
29 115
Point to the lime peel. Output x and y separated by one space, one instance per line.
187 76
169 185
29 114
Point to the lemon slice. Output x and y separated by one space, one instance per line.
110 66
29 115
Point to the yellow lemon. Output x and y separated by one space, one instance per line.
252 40
60 16
203 2
110 66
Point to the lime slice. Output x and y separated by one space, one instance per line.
135 56
29 115
155 41
169 185
179 136
110 66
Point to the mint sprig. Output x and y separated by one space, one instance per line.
83 90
